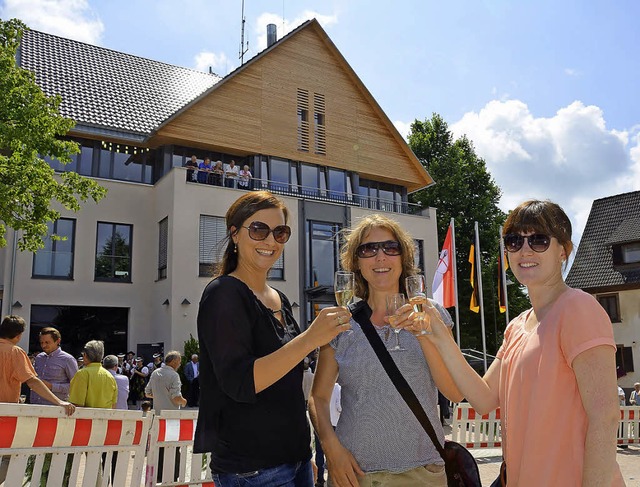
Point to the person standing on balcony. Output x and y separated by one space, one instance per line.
554 377
217 174
204 170
244 178
192 168
252 411
55 368
231 172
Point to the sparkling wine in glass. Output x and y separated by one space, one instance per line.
343 286
417 292
394 303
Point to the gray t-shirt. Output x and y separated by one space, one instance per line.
164 385
375 424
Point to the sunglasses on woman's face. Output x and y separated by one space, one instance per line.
538 242
260 231
370 249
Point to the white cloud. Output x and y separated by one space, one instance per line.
403 127
269 18
72 19
219 63
572 72
570 158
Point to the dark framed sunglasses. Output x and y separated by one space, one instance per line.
370 249
538 242
260 231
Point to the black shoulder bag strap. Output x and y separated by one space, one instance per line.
360 315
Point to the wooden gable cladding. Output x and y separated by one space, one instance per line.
255 111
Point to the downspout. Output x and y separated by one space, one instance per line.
12 277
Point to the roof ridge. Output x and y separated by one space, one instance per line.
96 46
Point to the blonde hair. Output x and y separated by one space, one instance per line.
353 239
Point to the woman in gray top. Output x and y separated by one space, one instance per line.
378 441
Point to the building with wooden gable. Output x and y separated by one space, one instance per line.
607 265
132 267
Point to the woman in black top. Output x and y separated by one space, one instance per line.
252 411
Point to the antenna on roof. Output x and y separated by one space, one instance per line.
243 48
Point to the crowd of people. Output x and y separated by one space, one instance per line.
122 381
229 175
259 373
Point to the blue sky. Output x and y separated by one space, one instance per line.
546 90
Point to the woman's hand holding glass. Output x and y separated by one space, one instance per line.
329 322
417 292
398 312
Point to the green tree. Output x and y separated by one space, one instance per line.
31 128
466 192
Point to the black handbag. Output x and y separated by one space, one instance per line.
461 467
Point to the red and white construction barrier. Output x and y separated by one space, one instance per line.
172 432
475 430
50 438
483 431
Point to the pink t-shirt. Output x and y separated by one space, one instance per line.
543 421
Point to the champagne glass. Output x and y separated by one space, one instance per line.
394 303
343 286
417 292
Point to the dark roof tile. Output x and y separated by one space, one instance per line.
614 219
110 89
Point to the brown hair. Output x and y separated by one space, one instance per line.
12 326
355 236
541 217
49 330
242 209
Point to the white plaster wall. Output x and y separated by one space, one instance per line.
627 332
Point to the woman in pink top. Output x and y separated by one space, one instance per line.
554 378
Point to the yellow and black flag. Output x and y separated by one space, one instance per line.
502 260
474 305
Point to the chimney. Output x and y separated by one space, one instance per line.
272 34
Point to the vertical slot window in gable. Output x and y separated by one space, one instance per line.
303 120
319 132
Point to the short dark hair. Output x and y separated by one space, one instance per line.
12 326
50 330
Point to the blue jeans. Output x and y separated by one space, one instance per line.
287 475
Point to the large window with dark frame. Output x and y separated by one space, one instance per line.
113 252
624 359
611 304
55 260
163 246
212 234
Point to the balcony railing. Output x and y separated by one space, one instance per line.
326 195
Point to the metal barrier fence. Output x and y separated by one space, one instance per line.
474 430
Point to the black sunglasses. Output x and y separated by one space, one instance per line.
260 231
538 242
370 249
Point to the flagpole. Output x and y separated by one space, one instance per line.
480 297
455 278
503 268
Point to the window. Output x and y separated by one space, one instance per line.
337 184
319 134
113 252
279 174
624 358
276 273
303 120
323 255
611 305
418 255
213 232
163 242
631 253
309 179
55 260
81 163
